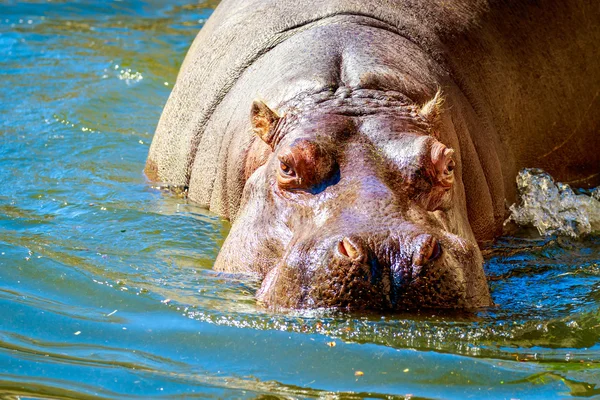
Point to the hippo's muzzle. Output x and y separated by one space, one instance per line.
375 271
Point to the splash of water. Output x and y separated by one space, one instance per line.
553 207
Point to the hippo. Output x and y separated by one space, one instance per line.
364 151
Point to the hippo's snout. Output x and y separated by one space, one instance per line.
350 276
369 271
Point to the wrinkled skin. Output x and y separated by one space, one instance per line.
357 183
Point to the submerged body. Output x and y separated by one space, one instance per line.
355 182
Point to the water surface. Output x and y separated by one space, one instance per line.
106 288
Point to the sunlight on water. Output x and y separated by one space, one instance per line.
106 287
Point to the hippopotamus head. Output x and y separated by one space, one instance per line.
348 203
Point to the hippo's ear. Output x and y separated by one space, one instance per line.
432 109
263 121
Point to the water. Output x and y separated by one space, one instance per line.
554 207
106 288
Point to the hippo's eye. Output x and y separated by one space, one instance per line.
286 170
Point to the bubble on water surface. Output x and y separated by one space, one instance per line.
553 207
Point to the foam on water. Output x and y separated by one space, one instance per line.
554 207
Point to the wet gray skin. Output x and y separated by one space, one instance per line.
352 210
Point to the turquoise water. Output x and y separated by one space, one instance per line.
106 288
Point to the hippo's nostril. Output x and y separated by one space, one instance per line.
427 249
436 251
346 248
